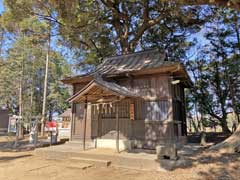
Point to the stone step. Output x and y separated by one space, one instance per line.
102 160
80 143
95 162
78 165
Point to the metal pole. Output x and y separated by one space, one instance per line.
85 124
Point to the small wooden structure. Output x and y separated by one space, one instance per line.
64 127
66 118
4 118
130 101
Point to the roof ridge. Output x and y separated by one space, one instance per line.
133 53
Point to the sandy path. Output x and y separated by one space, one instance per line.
28 166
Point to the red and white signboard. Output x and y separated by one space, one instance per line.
51 126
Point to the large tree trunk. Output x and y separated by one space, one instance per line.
224 125
230 145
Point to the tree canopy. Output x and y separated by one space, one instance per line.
92 30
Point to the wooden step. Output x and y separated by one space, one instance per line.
95 162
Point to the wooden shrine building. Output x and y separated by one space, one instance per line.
130 101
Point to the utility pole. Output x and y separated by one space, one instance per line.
20 121
45 82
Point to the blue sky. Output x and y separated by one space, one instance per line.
1 6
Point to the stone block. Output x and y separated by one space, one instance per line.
168 151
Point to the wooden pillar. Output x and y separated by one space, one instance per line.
117 127
101 120
72 120
85 124
99 127
132 119
99 110
171 121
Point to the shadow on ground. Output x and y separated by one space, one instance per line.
222 166
8 146
209 164
10 158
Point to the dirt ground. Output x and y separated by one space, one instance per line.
26 165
